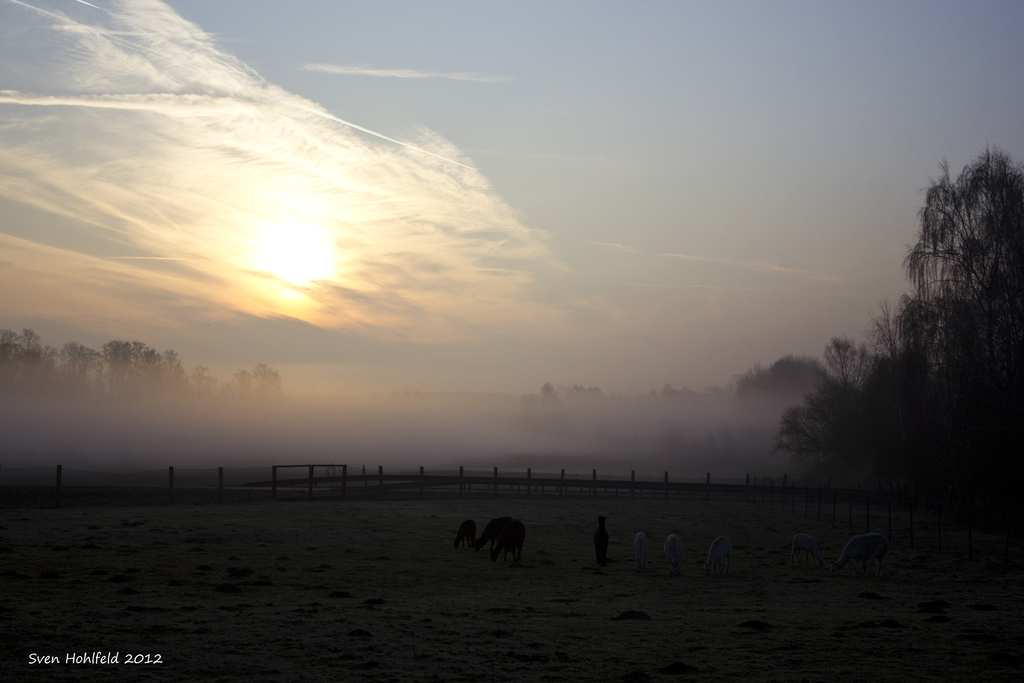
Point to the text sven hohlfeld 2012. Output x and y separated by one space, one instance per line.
97 657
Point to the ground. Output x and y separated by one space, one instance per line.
373 590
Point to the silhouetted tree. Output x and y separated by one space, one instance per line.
266 383
788 377
828 427
941 395
966 313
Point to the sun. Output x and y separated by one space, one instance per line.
299 253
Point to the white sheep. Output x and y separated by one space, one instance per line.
721 547
640 546
674 552
860 549
803 542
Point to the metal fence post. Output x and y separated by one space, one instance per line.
1006 550
460 480
707 486
529 479
344 480
970 529
911 527
170 482
220 484
495 481
666 486
561 484
59 470
867 514
380 480
632 482
310 481
273 482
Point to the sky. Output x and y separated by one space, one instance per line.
482 197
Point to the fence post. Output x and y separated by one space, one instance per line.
344 480
819 505
170 483
867 513
835 497
783 506
1009 515
970 543
529 477
746 489
220 484
273 482
666 486
59 470
380 480
460 481
707 487
561 483
495 481
771 493
632 482
310 483
807 499
593 486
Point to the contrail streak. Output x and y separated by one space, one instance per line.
367 130
150 51
89 4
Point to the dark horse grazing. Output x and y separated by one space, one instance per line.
511 538
467 533
601 542
491 532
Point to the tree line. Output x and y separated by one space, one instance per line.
120 369
936 394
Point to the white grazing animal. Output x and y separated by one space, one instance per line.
674 552
803 542
640 546
721 548
860 549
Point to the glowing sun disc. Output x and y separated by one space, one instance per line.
298 253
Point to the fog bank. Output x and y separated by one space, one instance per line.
686 433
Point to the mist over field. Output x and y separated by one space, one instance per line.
686 433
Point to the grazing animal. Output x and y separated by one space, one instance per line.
721 548
467 534
640 546
601 542
860 549
806 544
674 552
510 539
491 532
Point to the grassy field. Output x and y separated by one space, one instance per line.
373 590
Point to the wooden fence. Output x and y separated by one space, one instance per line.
942 517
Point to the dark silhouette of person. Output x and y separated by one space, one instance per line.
601 542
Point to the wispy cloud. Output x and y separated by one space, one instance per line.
345 70
760 266
259 201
